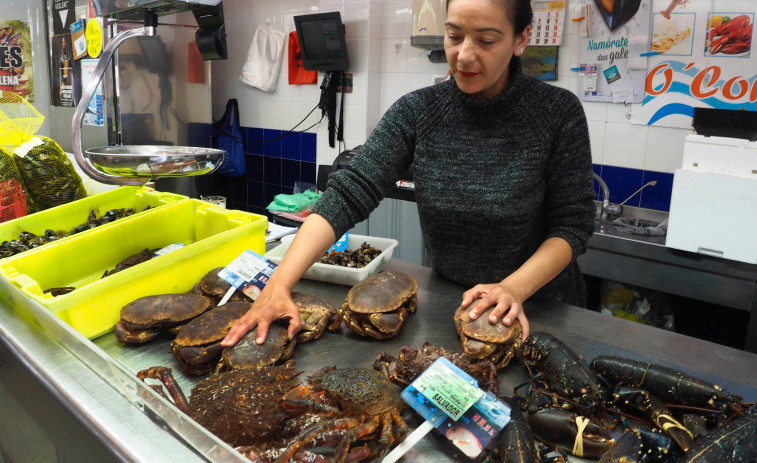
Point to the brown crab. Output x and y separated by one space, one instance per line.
356 404
378 306
144 318
215 287
412 362
197 345
483 340
241 407
315 313
248 355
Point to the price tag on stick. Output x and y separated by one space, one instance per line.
250 271
449 399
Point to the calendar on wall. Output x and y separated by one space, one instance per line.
548 23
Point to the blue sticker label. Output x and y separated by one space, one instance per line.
612 74
341 243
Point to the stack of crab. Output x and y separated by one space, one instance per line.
253 394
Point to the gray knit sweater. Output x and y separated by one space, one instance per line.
494 178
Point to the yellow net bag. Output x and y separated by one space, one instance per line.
46 173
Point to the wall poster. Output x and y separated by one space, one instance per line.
16 59
613 65
65 72
704 59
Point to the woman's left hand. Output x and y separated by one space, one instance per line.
508 306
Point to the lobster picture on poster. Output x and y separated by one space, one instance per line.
16 59
720 73
612 56
729 35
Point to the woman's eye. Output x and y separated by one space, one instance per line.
452 37
487 42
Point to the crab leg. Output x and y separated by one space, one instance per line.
166 377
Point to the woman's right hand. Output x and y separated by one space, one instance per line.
274 303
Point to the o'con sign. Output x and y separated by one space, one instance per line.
706 83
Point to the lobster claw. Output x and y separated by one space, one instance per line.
569 431
653 408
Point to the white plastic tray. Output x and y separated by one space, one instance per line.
335 273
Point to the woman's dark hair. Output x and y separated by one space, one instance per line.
519 11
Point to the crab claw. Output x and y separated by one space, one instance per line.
303 398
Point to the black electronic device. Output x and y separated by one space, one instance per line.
731 123
322 43
344 158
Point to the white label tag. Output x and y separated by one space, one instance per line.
24 148
250 270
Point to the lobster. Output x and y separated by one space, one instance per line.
732 37
515 443
562 369
565 430
651 406
733 441
667 384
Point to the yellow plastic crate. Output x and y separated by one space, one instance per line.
213 237
69 216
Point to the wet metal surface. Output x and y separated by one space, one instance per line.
588 333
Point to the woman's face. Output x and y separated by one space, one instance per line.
479 43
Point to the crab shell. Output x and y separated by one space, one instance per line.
315 313
248 355
198 344
143 318
378 306
215 287
243 407
483 340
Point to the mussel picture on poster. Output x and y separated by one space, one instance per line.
16 59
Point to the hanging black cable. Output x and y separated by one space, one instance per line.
328 101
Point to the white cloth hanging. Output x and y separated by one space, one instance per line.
261 70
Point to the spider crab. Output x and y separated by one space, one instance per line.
350 404
241 407
412 362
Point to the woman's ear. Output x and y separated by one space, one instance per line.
521 40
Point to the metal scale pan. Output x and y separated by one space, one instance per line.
135 164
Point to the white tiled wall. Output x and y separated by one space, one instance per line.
385 67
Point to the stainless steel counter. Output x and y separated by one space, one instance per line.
96 380
645 261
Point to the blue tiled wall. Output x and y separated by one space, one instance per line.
623 182
275 159
275 163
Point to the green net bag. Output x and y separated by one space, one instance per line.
47 172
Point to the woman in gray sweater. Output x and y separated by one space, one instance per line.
502 171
